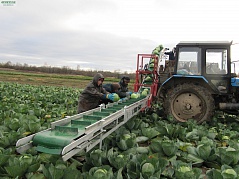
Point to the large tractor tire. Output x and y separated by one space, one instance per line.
189 101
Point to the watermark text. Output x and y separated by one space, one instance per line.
8 3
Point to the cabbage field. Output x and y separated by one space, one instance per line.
147 147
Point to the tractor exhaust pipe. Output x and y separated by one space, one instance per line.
229 106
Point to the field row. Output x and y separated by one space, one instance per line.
75 81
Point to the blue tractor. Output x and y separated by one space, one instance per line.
197 79
203 80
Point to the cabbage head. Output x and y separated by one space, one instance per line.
102 172
116 97
229 173
148 170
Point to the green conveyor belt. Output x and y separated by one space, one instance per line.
53 141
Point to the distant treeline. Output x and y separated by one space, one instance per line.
63 70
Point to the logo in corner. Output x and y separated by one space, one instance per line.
8 3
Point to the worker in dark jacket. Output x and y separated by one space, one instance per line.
92 95
171 54
111 87
123 91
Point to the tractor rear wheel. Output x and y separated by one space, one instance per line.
189 101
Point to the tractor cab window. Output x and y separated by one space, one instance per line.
189 61
216 61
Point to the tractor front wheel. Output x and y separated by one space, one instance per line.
189 101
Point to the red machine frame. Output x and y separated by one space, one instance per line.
142 70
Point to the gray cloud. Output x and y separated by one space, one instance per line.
100 50
104 34
31 34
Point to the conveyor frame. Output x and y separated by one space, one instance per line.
95 133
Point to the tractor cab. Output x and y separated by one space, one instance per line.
207 61
203 59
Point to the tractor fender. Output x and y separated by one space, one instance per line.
174 80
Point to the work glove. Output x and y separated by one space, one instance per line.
110 96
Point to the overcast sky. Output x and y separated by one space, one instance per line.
108 34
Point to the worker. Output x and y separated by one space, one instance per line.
171 54
111 87
92 96
123 90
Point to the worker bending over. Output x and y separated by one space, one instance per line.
92 96
123 90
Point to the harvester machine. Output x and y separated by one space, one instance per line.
197 81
